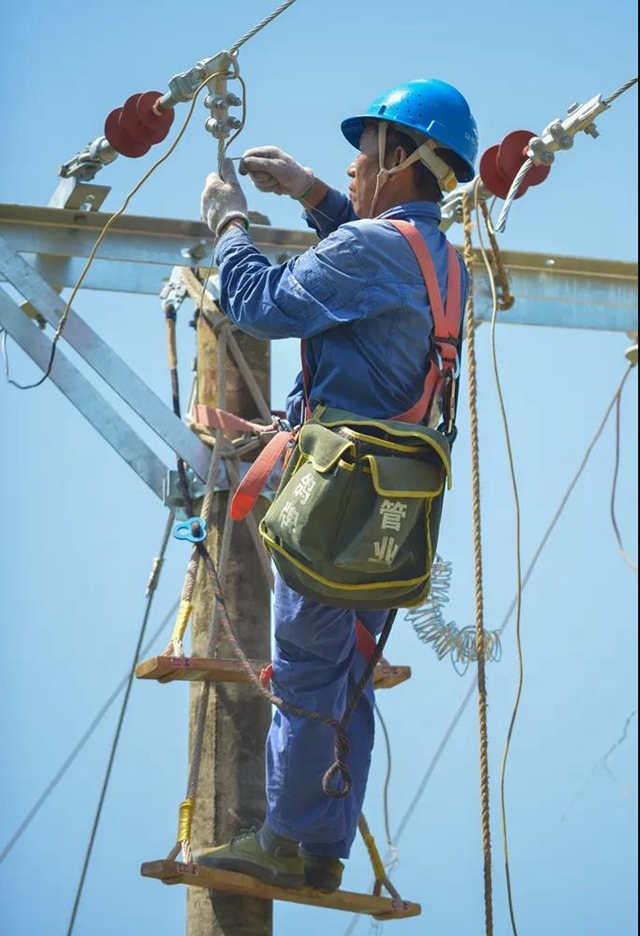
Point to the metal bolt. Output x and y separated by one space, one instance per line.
556 129
216 127
233 100
592 130
214 100
196 252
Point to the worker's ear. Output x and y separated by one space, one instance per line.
399 156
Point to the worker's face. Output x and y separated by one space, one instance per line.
363 172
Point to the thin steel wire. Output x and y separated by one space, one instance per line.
614 488
80 745
260 26
621 90
513 191
116 737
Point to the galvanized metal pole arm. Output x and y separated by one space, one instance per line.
86 399
105 361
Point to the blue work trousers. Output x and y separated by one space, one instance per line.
317 666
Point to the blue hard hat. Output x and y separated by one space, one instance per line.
430 107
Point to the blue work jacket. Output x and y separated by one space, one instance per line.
358 298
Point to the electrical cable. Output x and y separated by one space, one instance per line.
518 549
116 737
5 353
614 488
260 26
527 576
387 779
616 94
222 149
76 750
528 164
601 762
511 197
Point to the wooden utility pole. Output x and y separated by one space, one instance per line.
231 794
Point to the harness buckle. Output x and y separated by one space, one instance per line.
447 369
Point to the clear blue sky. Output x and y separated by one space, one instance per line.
80 530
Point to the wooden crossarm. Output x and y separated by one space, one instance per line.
171 669
230 882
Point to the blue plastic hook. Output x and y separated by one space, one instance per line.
186 531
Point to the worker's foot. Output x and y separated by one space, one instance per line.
245 854
323 873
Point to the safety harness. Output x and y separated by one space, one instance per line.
437 403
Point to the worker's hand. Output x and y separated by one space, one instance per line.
272 170
223 200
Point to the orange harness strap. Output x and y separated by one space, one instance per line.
447 322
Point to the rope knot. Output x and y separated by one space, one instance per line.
339 769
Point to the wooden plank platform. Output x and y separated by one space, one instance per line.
197 669
230 882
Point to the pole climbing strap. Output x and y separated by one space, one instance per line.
228 422
255 479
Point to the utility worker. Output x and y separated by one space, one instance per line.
359 300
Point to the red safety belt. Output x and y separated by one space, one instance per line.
447 321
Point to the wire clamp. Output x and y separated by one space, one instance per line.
194 530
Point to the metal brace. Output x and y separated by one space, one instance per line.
171 495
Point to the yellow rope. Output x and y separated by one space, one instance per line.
477 546
505 300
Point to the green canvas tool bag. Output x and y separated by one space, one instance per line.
355 521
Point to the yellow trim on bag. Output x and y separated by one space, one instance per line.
338 586
385 427
394 446
424 495
308 456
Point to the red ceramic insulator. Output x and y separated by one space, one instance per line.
160 121
123 142
134 128
512 154
492 176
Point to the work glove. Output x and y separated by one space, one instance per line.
223 199
272 170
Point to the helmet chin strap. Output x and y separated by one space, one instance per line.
425 153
